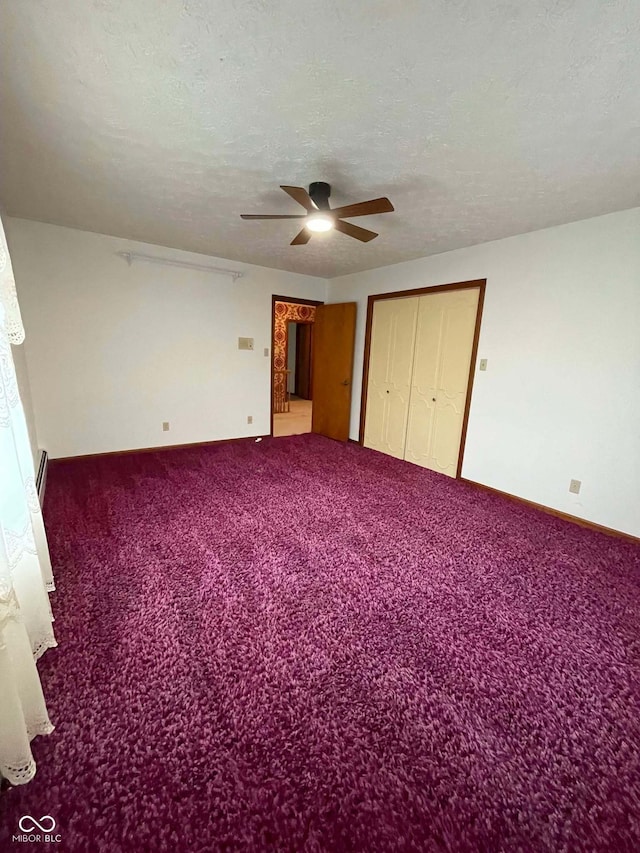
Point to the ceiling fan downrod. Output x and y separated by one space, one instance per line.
319 193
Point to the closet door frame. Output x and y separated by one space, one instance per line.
480 284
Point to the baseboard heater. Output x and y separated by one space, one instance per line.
41 476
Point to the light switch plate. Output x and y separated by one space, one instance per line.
483 364
245 343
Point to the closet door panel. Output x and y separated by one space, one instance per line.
377 401
444 344
424 381
419 430
445 442
459 321
390 365
374 424
459 316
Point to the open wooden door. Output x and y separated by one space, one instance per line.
333 344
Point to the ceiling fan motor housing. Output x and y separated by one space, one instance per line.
319 193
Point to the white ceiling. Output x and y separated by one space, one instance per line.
163 121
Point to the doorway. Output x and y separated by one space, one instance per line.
292 365
295 419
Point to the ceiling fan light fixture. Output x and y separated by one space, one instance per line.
319 222
319 217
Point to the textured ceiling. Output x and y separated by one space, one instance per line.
163 121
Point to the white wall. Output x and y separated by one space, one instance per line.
561 330
113 351
24 387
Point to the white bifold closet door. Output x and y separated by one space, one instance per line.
443 347
393 334
419 364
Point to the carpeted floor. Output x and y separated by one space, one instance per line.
297 645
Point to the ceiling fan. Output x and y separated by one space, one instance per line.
320 217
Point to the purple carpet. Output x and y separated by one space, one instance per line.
297 645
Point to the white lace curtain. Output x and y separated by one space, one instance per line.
26 629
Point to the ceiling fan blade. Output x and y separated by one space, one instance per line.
354 231
301 238
277 216
301 196
364 208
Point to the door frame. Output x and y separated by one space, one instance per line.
480 284
294 300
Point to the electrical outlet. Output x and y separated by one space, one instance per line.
266 352
249 419
165 426
574 487
483 364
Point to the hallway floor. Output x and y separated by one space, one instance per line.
294 422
